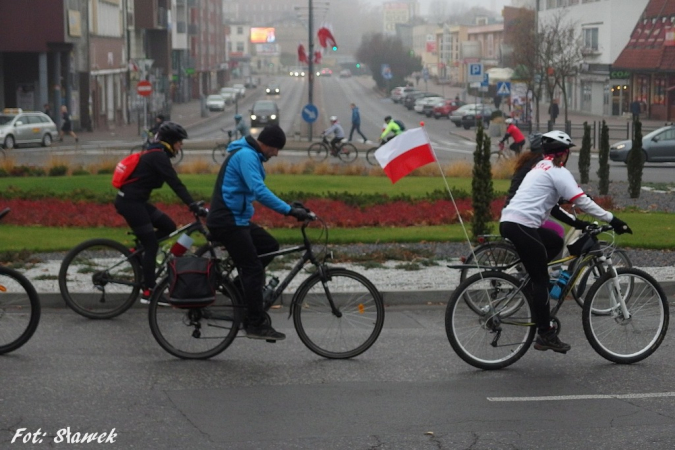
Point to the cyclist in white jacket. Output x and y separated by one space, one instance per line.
522 219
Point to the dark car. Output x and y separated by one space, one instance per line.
272 89
410 99
483 113
264 112
444 109
657 146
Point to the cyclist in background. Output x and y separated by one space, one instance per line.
521 223
514 133
339 133
148 223
159 120
240 126
391 127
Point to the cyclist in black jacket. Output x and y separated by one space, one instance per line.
147 222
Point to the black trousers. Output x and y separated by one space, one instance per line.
535 247
149 224
244 244
358 130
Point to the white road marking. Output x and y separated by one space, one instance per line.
557 398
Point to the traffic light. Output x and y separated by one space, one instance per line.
358 65
335 48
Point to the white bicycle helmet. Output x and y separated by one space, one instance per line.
333 118
508 121
556 142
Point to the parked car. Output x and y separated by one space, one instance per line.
345 73
456 115
411 98
229 94
428 104
251 83
241 88
445 108
264 112
398 93
657 146
272 89
420 103
483 112
26 127
215 102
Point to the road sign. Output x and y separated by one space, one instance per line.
310 113
386 72
485 82
144 88
475 72
503 88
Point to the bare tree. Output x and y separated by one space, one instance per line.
521 36
560 53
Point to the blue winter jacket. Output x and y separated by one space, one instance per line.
241 180
356 116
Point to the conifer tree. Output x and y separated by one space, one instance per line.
635 161
603 161
585 154
481 185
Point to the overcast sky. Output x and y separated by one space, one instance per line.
495 5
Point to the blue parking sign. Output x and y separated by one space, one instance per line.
310 113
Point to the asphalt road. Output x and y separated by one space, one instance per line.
409 391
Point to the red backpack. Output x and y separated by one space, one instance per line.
126 167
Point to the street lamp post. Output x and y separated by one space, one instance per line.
310 83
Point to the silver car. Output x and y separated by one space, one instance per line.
657 146
19 127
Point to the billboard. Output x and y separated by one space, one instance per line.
262 35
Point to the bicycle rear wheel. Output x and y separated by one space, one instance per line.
491 254
370 156
19 310
195 333
317 152
99 279
626 339
348 153
219 153
488 321
355 325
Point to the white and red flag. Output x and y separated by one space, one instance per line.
405 153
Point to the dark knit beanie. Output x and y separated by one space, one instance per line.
273 136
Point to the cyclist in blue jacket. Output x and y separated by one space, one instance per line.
240 181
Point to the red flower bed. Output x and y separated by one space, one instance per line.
59 213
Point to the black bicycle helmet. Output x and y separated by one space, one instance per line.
171 132
556 142
535 142
387 118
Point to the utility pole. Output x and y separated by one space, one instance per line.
310 56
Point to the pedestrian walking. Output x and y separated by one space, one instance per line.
66 125
356 123
553 111
635 109
48 110
497 101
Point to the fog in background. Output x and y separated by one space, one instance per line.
433 7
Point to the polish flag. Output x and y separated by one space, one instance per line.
405 153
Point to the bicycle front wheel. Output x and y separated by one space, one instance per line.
626 338
594 272
488 321
370 156
349 326
348 153
219 153
19 310
99 279
195 333
317 152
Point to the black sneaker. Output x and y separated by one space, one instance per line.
264 332
550 341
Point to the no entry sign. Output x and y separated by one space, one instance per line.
144 88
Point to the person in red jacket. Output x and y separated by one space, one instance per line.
514 133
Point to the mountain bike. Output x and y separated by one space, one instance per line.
370 155
220 150
319 151
625 316
148 138
502 153
337 313
19 307
102 278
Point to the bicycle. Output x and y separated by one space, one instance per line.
148 139
319 151
625 315
220 150
19 307
102 278
370 155
337 313
503 153
495 251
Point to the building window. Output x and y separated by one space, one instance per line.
240 30
642 88
551 4
240 47
572 2
659 97
591 39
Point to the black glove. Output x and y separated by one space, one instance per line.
581 224
620 227
299 213
198 209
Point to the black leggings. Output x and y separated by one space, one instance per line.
149 224
244 244
535 247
